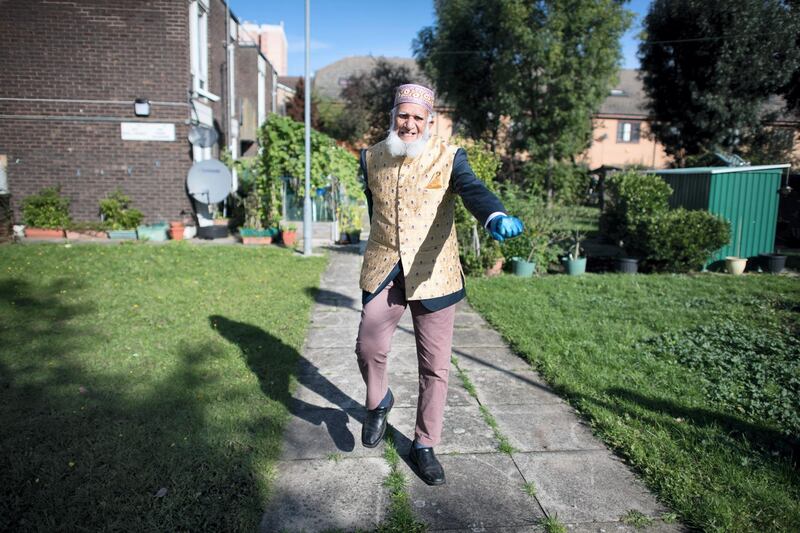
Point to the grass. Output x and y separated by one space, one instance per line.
552 524
620 349
145 387
530 489
400 517
503 444
636 519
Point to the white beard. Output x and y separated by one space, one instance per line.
398 147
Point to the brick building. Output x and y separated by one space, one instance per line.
72 72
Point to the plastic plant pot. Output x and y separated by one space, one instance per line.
772 263
626 265
575 267
523 268
735 265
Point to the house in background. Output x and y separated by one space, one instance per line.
72 72
621 135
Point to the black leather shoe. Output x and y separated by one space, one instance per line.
426 465
374 427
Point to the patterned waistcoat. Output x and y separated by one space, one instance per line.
412 221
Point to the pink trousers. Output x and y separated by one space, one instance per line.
433 331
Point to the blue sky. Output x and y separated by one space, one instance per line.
341 28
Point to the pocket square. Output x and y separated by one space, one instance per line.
436 182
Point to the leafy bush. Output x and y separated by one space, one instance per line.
569 182
680 240
542 238
117 213
476 257
748 370
634 197
47 209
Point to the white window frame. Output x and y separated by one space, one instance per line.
198 48
262 91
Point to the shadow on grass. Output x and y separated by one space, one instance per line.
92 441
274 363
768 440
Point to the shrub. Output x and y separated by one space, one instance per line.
476 257
48 209
569 181
680 240
634 197
542 238
117 213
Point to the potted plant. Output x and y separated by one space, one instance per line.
119 217
735 265
626 263
574 262
257 236
86 231
289 235
176 230
772 263
45 214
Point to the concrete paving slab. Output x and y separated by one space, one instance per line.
464 430
472 337
348 389
327 361
544 427
483 492
310 496
489 357
586 486
342 390
511 387
618 527
345 337
320 433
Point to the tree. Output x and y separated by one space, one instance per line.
296 107
547 65
709 68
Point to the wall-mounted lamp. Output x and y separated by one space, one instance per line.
141 107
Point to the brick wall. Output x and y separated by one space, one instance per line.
70 73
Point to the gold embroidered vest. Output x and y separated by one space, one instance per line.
412 221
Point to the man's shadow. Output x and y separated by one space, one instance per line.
274 363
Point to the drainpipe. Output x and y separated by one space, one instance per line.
232 140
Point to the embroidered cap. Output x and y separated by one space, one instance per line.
411 93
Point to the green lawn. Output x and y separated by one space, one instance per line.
693 379
145 387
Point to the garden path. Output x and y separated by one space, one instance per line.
327 481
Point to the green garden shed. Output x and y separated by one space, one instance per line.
746 196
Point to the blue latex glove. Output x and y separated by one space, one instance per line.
504 227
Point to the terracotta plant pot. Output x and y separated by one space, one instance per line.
256 240
496 269
289 237
44 233
735 265
176 230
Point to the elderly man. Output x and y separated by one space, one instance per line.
412 260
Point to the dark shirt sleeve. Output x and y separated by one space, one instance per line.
362 163
478 200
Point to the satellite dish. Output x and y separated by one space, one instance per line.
202 136
209 182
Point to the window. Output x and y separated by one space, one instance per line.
628 132
198 46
